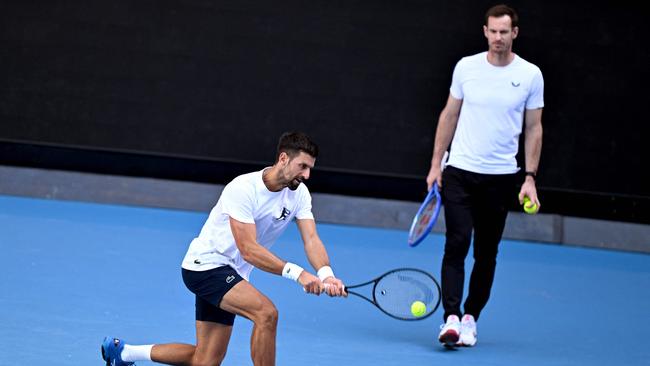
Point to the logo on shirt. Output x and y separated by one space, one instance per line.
283 216
516 85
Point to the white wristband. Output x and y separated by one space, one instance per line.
324 272
291 271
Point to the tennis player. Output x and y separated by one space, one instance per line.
253 211
493 95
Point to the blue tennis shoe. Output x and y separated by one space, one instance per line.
112 352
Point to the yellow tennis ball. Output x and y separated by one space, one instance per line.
530 207
418 308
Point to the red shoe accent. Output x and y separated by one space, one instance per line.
450 338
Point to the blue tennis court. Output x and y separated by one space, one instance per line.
73 272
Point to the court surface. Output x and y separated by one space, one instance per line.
71 273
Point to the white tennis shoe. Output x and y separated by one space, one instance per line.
467 331
450 331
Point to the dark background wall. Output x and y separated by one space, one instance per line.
200 90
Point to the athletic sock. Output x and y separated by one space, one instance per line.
136 353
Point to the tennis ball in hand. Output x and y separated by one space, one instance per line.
529 206
418 308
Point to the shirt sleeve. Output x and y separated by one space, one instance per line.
536 97
304 206
456 89
237 201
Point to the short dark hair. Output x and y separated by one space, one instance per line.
500 10
292 143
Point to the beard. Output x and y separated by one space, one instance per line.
293 184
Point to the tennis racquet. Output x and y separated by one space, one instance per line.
426 217
428 212
395 291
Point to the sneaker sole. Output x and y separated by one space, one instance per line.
449 339
463 344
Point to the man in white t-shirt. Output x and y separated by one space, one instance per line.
493 96
253 211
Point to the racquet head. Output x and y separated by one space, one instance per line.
395 291
426 217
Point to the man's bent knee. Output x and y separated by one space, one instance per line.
212 360
267 316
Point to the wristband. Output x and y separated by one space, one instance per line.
291 271
324 272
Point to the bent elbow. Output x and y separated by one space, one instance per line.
246 254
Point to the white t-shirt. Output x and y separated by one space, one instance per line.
245 199
491 117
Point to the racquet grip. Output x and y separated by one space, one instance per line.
327 285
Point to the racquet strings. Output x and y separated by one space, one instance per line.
396 291
423 220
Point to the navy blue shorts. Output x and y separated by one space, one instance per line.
210 287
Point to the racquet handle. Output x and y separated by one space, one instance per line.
326 286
